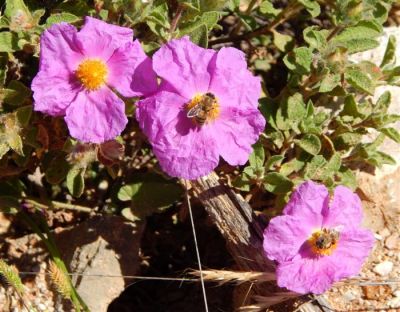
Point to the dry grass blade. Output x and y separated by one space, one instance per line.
60 281
264 302
11 275
223 276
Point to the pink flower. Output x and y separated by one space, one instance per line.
78 71
206 107
317 241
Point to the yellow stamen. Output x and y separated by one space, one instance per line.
323 242
209 107
92 73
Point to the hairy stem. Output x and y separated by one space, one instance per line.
286 13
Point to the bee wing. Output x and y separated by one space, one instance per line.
194 111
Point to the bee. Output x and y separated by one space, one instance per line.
201 111
327 239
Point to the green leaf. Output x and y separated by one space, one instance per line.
310 143
299 60
315 167
311 6
350 107
8 42
383 102
277 183
378 159
200 36
16 93
295 108
16 9
329 82
62 17
210 19
24 115
391 133
272 161
57 169
9 204
257 157
4 148
315 38
331 168
347 140
359 80
390 54
148 197
267 8
192 4
360 37
126 192
347 178
282 42
294 165
15 143
76 181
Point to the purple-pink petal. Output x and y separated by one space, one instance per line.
307 202
232 82
344 210
181 148
353 248
53 93
184 66
96 116
58 49
96 28
235 131
131 72
307 275
284 237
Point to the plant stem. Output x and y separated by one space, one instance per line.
287 13
58 205
247 12
176 19
51 246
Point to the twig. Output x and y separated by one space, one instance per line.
177 17
58 205
288 12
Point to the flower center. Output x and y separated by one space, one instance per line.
92 73
203 108
324 242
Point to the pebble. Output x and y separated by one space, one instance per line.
384 233
396 293
392 242
383 268
350 295
394 302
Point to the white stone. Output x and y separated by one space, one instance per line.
397 293
383 268
350 295
394 302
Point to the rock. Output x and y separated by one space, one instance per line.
350 295
379 292
384 233
392 242
394 302
383 268
104 249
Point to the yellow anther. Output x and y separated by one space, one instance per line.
92 73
